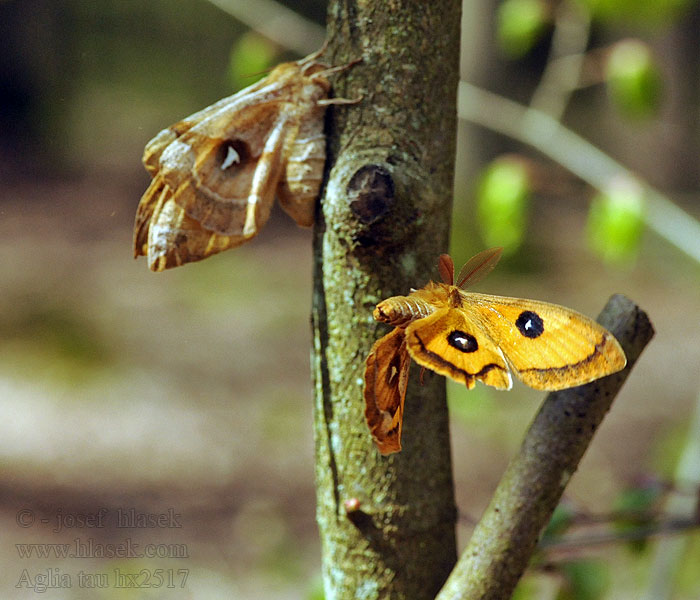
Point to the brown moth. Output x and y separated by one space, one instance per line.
216 172
472 337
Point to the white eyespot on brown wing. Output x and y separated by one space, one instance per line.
232 158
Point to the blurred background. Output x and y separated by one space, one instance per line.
171 394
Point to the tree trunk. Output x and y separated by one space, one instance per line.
384 220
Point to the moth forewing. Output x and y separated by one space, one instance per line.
448 343
175 239
549 347
233 199
155 147
144 214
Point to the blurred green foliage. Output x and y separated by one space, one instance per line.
687 581
251 56
635 84
654 13
616 222
316 589
503 200
633 79
472 407
635 507
668 448
584 580
52 341
526 589
520 25
561 520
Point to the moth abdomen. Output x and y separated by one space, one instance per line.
399 311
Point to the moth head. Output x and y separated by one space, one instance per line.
315 72
384 312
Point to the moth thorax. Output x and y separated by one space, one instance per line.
401 310
455 298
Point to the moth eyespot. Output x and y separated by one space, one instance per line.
232 153
530 324
391 374
464 342
232 157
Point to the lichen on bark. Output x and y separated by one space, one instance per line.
383 221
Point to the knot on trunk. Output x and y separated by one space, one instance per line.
371 193
382 220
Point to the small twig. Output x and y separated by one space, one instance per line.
276 22
566 61
506 537
668 552
586 540
579 156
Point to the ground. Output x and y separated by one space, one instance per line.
189 390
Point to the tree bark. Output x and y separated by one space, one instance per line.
386 523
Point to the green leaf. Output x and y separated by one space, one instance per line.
584 580
561 520
638 499
520 24
503 199
616 222
636 508
252 55
315 591
634 81
655 13
526 589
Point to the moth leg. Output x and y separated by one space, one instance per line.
311 58
339 101
422 374
336 69
330 71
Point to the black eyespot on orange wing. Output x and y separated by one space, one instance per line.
530 324
462 341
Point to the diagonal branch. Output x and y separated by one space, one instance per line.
566 60
506 537
579 156
276 22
